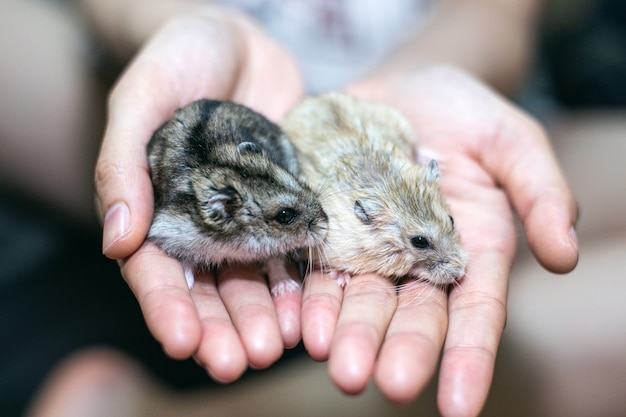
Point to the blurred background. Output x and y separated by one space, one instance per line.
563 349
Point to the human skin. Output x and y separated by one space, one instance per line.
495 160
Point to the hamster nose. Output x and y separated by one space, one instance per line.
323 217
318 227
453 269
456 271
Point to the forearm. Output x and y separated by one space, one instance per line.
124 26
490 39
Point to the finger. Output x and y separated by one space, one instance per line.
287 298
250 306
368 305
477 314
159 285
259 79
476 304
287 308
524 163
147 94
221 350
123 183
321 305
410 353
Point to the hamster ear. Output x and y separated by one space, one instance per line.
433 171
365 210
248 147
221 205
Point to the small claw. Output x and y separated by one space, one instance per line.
279 279
283 287
342 278
189 277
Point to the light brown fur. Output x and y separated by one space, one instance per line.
359 157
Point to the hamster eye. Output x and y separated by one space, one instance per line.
452 221
286 215
420 242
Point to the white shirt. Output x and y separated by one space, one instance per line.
335 41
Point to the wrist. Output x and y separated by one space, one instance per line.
124 27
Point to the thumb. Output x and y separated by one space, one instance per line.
123 185
147 94
524 163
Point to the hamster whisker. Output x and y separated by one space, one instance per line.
457 286
418 292
322 261
314 257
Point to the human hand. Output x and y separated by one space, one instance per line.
492 157
230 322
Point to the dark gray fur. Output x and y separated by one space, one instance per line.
225 183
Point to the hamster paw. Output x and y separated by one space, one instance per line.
342 278
284 286
280 281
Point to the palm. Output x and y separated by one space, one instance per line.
458 122
490 155
189 59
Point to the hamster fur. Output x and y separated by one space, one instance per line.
386 215
226 189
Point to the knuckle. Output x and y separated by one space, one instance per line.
533 129
481 304
106 171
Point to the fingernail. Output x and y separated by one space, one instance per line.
116 224
573 237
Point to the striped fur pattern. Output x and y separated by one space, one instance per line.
226 189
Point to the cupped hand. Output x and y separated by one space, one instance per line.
495 161
228 322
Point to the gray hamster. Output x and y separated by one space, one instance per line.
226 189
386 214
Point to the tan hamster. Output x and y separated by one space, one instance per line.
386 214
